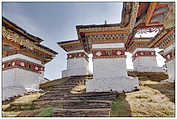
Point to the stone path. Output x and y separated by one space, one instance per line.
78 103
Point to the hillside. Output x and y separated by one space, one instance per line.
154 99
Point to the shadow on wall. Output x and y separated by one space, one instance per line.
165 88
121 107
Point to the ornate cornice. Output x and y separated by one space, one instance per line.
71 45
13 36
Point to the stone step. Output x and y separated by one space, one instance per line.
45 103
82 96
70 85
72 97
60 90
63 86
86 105
81 112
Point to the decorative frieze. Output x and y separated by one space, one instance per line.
109 53
77 55
13 36
116 36
23 64
101 28
143 53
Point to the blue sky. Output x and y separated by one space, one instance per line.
55 22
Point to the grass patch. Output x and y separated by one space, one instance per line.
46 112
120 107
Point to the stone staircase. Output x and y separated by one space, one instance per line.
76 103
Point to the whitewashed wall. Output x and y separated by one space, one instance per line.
75 63
109 67
8 78
119 84
41 78
171 70
146 64
170 65
12 91
17 81
76 66
111 74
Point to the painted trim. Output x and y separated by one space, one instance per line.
143 54
22 64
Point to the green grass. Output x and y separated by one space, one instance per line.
46 112
120 108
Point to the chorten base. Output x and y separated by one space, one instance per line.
119 84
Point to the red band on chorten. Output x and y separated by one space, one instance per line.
23 64
143 53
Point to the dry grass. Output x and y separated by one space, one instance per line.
27 99
78 89
155 99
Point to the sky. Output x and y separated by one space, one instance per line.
55 22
